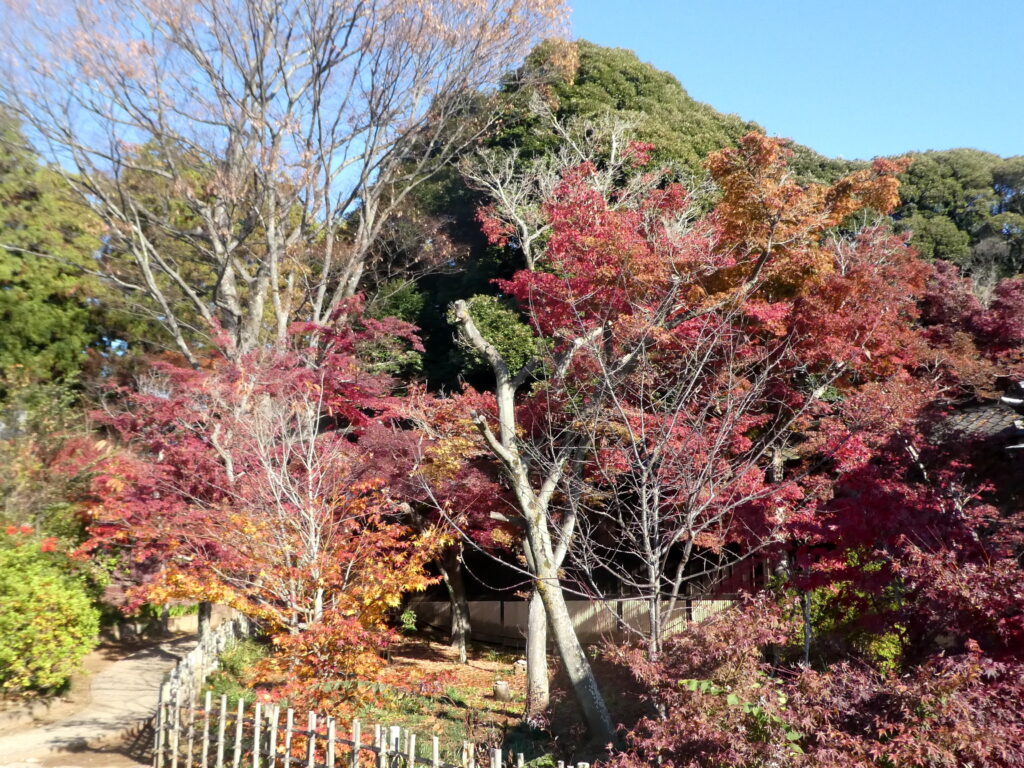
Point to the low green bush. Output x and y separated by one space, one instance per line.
241 656
221 683
233 679
48 621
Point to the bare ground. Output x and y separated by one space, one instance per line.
101 723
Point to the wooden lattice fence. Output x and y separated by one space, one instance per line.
193 731
214 735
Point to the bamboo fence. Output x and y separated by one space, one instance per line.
212 734
189 733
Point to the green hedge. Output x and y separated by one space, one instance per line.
47 619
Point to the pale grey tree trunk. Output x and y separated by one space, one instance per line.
534 504
655 636
574 658
538 694
205 617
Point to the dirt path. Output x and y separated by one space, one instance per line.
108 730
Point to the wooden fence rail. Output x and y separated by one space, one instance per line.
213 735
617 619
194 733
187 678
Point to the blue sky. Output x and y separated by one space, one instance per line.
849 78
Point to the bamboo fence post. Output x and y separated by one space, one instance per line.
412 750
239 725
206 729
495 758
161 726
330 742
256 735
435 752
275 714
520 760
191 732
175 721
472 755
289 724
357 738
221 728
311 742
382 746
465 754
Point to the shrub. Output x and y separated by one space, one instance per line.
221 683
725 704
240 658
239 668
47 618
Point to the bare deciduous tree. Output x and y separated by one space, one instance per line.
675 493
518 187
245 154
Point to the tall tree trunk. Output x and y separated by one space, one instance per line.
654 638
538 694
205 618
534 504
451 573
574 658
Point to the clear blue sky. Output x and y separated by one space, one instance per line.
846 77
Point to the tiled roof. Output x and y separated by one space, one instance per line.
983 421
1002 421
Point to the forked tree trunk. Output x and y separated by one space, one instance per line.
538 547
574 658
538 695
451 573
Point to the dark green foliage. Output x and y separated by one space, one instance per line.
966 206
48 308
810 167
402 299
242 655
956 183
591 80
397 298
683 130
235 675
1008 179
44 449
937 237
443 361
503 327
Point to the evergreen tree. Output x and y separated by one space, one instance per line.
49 310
